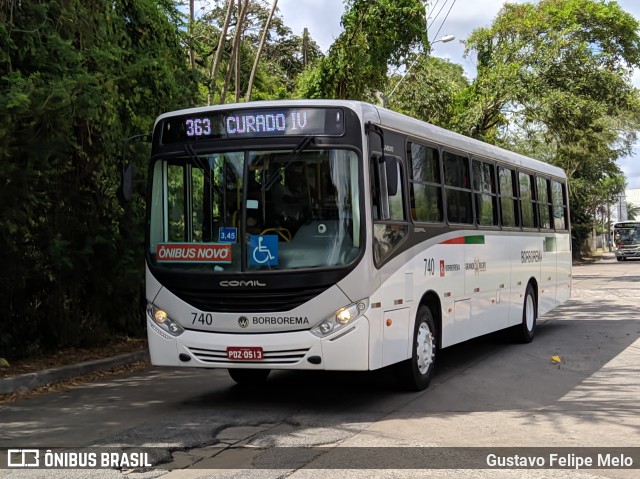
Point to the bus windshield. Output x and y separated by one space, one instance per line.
256 210
626 234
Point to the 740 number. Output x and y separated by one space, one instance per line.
202 318
429 267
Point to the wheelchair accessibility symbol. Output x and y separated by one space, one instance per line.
264 250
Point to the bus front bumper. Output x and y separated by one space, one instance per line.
345 350
628 253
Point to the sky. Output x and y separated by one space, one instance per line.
322 18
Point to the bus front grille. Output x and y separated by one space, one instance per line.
243 301
219 356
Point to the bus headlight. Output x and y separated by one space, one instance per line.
340 318
162 319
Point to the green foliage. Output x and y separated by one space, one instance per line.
281 60
376 34
76 79
557 75
430 91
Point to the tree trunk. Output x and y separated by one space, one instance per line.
216 61
260 47
236 47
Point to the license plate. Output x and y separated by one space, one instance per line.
245 353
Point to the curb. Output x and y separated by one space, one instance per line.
29 381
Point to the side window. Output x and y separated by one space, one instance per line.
526 200
457 188
544 203
508 200
426 186
484 187
559 201
389 233
396 195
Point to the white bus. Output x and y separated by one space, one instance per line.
337 235
626 239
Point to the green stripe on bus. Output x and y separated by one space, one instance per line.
475 239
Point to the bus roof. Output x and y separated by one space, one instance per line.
397 122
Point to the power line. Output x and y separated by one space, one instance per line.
445 19
437 14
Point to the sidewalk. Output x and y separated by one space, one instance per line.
27 382
597 256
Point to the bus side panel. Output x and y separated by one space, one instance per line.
526 258
397 305
487 268
448 281
563 267
548 275
396 330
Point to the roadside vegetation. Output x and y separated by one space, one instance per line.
77 78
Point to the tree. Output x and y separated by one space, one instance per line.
377 33
430 91
215 64
76 79
259 52
558 73
277 65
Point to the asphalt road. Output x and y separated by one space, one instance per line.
486 393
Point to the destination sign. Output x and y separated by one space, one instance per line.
254 123
634 224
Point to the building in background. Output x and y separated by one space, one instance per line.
630 197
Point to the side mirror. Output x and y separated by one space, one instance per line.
391 167
128 174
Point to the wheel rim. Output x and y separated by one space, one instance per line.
529 311
425 350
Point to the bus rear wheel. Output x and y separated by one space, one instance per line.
417 371
524 332
249 377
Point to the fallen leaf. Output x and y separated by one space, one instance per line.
4 363
556 359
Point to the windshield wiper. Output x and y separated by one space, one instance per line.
295 154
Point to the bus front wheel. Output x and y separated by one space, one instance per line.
523 333
249 377
417 371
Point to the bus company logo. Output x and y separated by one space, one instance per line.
444 268
242 284
477 266
243 321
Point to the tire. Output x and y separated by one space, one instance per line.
618 258
524 332
415 373
249 377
